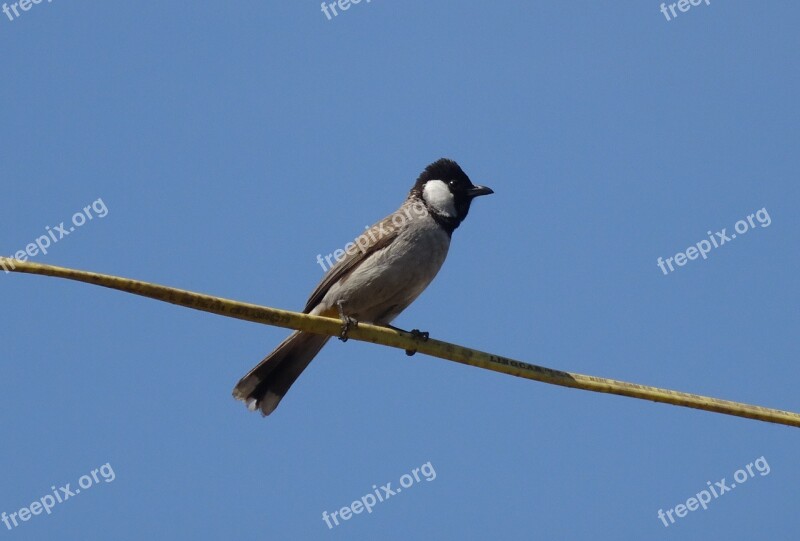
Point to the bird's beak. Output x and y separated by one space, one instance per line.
477 191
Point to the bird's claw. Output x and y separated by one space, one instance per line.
419 335
347 322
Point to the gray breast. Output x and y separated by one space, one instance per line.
388 281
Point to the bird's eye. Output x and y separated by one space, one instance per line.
452 183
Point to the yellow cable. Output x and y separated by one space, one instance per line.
389 337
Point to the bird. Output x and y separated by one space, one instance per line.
381 273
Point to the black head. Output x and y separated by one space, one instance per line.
447 192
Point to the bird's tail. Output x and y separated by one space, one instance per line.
264 386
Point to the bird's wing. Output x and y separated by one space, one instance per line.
372 240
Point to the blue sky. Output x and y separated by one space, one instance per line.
232 143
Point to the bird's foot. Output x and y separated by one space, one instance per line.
422 336
416 333
347 323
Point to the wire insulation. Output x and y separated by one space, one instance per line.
389 337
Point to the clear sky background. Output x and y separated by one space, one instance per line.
233 142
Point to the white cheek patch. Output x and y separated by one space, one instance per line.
439 198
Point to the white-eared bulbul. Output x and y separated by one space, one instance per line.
383 272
